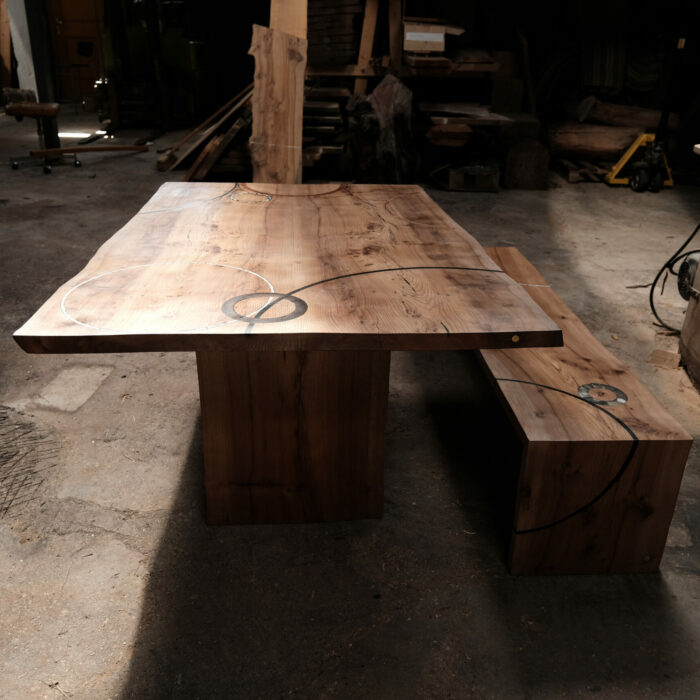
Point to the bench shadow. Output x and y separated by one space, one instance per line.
418 603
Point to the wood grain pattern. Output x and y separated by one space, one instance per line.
573 450
395 33
278 105
289 16
368 267
293 436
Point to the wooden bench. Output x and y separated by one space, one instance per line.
602 460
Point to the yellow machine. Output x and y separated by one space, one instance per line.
650 171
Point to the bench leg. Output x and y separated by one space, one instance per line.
293 436
622 532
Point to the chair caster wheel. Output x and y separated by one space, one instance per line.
77 163
47 169
14 165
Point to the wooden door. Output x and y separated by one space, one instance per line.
76 30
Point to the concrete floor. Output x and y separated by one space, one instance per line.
113 587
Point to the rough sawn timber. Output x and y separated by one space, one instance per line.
278 105
630 457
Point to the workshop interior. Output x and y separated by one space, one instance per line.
350 348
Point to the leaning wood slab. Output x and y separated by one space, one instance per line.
278 105
292 297
602 459
215 266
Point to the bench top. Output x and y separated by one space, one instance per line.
216 266
553 414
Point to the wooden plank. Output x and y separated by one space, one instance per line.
357 267
220 144
196 142
592 109
278 99
591 140
395 33
5 46
293 436
573 450
369 26
166 160
43 152
289 16
473 114
203 157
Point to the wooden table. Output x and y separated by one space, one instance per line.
292 297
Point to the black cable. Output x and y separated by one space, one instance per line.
610 484
668 265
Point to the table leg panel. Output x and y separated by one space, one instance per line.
293 436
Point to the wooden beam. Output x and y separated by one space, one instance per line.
395 33
369 26
47 152
289 16
5 46
278 105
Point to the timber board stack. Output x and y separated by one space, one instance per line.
334 31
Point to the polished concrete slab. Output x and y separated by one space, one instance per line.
113 586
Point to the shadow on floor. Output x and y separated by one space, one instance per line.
417 604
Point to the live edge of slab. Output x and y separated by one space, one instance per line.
224 267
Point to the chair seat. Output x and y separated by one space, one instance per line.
32 109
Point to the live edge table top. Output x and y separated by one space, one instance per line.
216 266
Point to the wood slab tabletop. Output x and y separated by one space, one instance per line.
219 266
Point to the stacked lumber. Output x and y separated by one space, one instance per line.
334 31
591 109
603 130
199 150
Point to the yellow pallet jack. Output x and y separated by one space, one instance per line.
648 170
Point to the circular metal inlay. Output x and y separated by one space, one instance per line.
602 394
300 307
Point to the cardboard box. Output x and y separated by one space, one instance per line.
427 38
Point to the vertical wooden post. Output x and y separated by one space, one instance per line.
395 34
5 46
289 16
369 26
